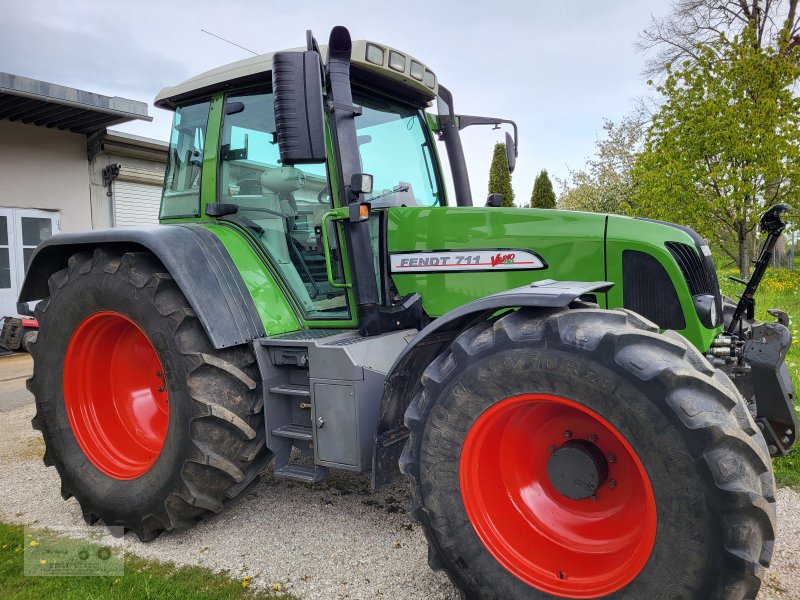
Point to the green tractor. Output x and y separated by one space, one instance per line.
579 411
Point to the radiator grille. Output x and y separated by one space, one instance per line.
648 290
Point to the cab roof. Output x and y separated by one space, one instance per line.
258 68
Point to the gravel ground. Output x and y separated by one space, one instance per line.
335 540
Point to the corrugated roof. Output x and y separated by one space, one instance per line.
44 104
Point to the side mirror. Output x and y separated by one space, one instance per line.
511 153
299 117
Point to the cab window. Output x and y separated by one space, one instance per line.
280 205
181 196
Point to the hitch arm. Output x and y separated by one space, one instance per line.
773 226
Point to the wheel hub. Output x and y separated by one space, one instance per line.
577 469
115 395
557 495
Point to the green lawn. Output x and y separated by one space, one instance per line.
780 288
146 579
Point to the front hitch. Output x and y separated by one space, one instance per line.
759 352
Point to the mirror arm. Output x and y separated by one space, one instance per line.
465 121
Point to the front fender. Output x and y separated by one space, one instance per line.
196 259
403 380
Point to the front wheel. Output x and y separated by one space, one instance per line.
580 454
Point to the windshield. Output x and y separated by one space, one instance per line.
396 151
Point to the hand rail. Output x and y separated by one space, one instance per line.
327 251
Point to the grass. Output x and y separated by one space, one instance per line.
141 579
780 288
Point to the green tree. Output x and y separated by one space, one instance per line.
725 143
606 184
500 176
543 195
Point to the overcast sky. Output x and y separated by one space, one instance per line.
557 68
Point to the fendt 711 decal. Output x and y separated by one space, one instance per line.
465 260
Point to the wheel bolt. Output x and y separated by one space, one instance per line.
612 484
593 438
567 434
562 575
161 389
612 458
551 448
159 374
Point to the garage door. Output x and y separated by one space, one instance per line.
136 204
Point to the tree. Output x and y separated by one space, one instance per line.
543 195
606 183
500 176
691 24
725 143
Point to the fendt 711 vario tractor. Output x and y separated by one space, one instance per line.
580 413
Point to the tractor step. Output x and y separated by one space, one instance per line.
304 473
294 431
291 389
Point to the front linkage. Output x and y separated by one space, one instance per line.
753 354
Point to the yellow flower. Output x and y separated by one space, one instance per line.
116 581
34 543
5 546
245 583
276 587
43 562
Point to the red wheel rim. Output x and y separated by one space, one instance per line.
115 395
569 548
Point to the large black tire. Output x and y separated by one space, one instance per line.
215 440
709 468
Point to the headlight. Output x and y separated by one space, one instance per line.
706 307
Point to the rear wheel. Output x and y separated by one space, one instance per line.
580 454
148 425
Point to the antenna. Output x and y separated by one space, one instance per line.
219 37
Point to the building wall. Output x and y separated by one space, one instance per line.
132 168
45 169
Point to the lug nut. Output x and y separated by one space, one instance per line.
788 432
612 484
785 440
562 575
567 434
593 438
772 449
161 389
159 374
612 458
551 448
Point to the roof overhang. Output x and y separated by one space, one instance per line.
44 104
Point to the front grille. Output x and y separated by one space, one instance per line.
648 290
697 277
698 271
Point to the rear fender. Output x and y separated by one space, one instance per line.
196 259
403 381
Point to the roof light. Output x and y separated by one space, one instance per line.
397 61
374 54
417 70
430 79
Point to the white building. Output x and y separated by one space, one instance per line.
62 170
